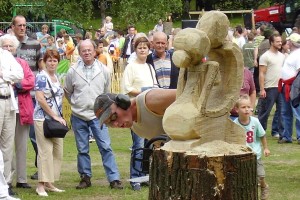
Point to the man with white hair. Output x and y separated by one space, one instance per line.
11 72
289 71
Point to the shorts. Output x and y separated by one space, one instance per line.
260 168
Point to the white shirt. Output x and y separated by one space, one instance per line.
291 65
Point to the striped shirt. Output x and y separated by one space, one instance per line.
29 50
162 69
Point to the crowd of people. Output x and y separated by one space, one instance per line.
28 75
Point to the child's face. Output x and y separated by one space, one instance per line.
60 44
50 41
244 108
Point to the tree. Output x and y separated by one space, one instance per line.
132 11
74 10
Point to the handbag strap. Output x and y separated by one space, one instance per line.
152 75
53 95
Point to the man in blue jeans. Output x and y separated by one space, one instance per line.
84 81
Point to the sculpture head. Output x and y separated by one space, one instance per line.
215 24
190 45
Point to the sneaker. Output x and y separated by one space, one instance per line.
283 140
136 186
116 184
276 135
35 176
91 139
264 193
84 183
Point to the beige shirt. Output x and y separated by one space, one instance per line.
274 63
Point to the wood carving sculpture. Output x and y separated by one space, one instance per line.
207 158
208 92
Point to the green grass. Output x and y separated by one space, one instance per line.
282 171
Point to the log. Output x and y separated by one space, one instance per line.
198 175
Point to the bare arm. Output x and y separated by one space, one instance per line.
262 73
158 100
255 56
265 145
42 101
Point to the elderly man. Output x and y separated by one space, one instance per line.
289 71
161 60
85 80
11 72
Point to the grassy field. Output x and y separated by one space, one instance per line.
282 168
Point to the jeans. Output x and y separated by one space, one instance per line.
137 142
272 97
288 113
277 125
81 131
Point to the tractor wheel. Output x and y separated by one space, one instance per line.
297 22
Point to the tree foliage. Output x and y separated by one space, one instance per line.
75 10
132 11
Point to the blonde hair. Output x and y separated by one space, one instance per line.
241 98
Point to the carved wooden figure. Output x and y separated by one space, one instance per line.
207 158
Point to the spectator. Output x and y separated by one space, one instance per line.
138 76
248 88
10 72
42 38
128 46
248 53
88 35
270 64
24 115
76 56
81 92
50 44
289 71
159 27
60 49
239 38
108 25
161 59
69 47
50 149
28 50
255 137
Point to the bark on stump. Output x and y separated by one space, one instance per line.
183 175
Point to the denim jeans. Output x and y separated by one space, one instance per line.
272 97
288 113
277 125
81 131
137 142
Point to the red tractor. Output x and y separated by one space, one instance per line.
282 15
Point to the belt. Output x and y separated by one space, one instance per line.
4 97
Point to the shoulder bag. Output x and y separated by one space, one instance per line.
53 128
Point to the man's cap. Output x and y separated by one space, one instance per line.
102 106
294 37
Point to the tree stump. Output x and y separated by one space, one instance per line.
198 175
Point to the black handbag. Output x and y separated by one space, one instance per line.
53 128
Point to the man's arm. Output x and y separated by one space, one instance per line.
68 86
262 73
158 100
